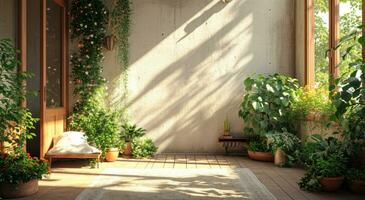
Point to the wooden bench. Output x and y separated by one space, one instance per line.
73 156
232 141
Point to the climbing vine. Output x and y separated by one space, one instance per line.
120 27
88 21
90 115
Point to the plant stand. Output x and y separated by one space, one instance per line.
229 142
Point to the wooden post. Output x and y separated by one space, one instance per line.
309 45
334 26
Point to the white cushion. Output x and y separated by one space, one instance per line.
72 142
71 138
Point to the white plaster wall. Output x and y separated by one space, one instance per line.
188 62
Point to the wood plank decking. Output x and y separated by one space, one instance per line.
70 177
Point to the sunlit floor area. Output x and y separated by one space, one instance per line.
176 176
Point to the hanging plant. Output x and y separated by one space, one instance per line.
120 19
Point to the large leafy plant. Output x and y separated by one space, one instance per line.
16 122
266 105
348 92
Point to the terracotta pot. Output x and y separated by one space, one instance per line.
127 149
261 156
111 154
280 158
109 42
10 191
357 187
332 184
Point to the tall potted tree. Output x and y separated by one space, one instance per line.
19 173
264 109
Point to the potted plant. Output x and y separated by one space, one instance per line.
143 148
348 93
265 108
110 138
260 150
325 161
19 173
356 180
129 133
286 148
113 145
101 128
227 127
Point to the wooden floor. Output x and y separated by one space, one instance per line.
71 177
282 182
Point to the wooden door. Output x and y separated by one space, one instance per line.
53 72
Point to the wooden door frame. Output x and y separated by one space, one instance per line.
64 67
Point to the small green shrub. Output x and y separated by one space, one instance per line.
322 158
131 132
289 143
20 167
354 174
100 126
315 101
143 148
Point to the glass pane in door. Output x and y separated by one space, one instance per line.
54 55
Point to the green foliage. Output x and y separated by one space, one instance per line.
16 122
88 21
354 174
322 158
355 124
227 126
90 115
143 148
289 143
349 19
121 28
265 106
131 132
20 167
310 182
12 92
101 127
259 144
313 101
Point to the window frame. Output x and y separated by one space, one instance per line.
334 38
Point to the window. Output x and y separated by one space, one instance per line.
326 22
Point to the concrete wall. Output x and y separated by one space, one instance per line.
188 62
299 40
